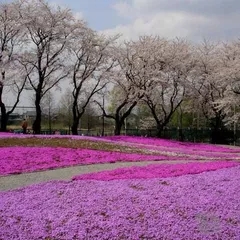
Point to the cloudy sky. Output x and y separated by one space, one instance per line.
191 19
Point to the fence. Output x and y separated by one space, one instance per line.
221 136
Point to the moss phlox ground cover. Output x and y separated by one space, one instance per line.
194 200
29 159
65 151
200 206
156 171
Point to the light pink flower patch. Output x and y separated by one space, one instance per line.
156 171
202 206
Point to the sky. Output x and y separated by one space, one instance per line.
194 20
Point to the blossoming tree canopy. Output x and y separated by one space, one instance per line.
13 77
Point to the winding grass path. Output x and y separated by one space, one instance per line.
15 181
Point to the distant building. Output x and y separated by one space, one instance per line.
29 114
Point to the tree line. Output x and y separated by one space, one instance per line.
43 46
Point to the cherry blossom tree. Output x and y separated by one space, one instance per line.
210 85
90 63
171 69
13 79
130 79
49 30
230 69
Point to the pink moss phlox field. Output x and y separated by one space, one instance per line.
172 148
156 171
28 159
158 142
192 150
202 206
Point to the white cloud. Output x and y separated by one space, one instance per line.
191 19
123 9
169 25
145 5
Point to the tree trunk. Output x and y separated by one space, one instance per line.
4 118
75 126
159 130
118 127
37 123
76 117
4 115
217 132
